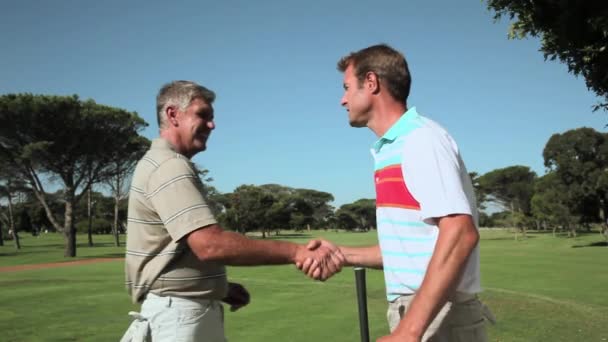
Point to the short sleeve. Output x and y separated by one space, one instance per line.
175 191
432 170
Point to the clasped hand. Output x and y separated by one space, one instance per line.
320 259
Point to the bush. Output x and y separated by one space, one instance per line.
98 226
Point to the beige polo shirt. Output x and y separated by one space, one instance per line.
165 204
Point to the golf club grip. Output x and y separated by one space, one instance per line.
362 302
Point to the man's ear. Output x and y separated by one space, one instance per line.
171 115
371 82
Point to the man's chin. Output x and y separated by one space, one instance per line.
357 124
201 147
202 144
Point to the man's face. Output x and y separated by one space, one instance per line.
196 125
356 99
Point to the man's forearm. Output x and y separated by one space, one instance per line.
455 243
363 256
213 244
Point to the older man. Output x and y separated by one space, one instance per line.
176 251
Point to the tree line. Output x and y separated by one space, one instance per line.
571 195
89 150
64 140
272 207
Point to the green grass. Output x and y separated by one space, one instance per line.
47 248
540 289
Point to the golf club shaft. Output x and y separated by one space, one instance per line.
362 302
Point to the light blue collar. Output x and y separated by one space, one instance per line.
399 128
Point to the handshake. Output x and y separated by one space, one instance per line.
319 259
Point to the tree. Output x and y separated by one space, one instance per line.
213 197
120 168
485 220
273 206
315 205
366 212
512 188
501 219
90 205
37 212
65 138
10 184
249 211
550 203
480 196
359 214
25 223
579 159
286 210
575 32
346 219
89 219
10 218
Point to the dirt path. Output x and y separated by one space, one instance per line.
57 264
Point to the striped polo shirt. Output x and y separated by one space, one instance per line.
419 177
165 204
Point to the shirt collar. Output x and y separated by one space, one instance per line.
397 129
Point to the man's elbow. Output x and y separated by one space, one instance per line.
208 254
204 245
471 237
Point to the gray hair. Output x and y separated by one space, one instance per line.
180 94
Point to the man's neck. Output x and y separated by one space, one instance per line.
385 117
173 140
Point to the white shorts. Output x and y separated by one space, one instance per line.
461 319
174 319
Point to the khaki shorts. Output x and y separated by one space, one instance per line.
461 319
171 319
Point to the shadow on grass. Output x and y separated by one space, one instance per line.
593 244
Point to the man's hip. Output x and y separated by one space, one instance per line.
177 319
462 318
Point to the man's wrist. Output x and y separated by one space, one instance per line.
296 253
407 330
350 259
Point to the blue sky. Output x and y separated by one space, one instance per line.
273 67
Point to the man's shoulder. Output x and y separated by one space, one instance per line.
429 131
161 164
429 139
167 160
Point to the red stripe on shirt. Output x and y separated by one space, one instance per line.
391 190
